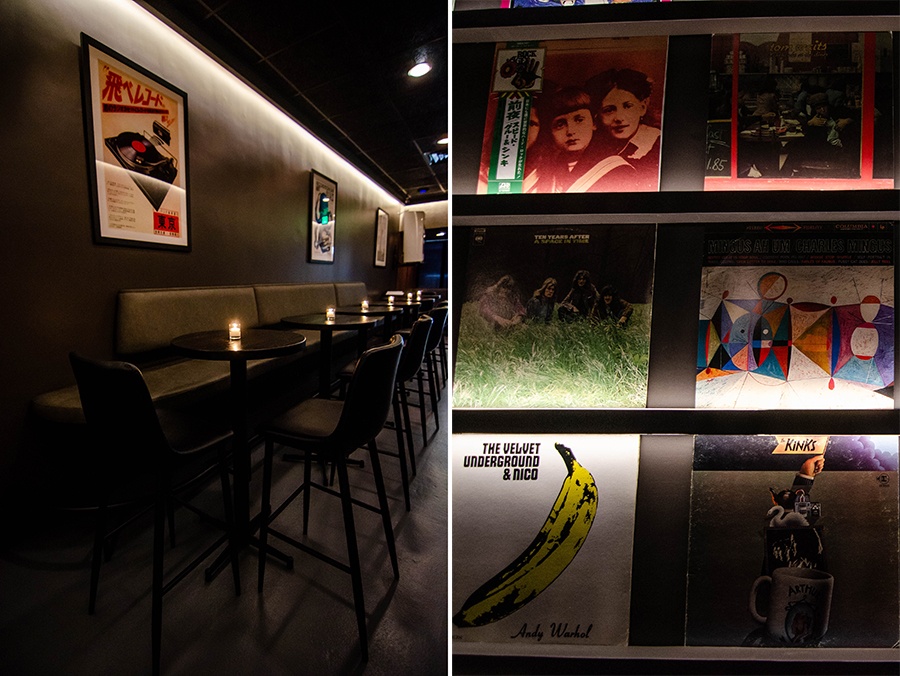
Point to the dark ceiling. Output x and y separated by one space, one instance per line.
339 68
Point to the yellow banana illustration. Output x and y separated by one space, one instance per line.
552 549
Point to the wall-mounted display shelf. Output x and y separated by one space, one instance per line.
682 213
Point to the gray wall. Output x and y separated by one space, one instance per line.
248 182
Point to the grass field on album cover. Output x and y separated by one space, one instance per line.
555 365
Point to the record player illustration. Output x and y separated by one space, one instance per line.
150 165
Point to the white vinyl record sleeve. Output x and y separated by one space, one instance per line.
543 530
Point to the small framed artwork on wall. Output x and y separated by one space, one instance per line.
136 132
322 210
381 238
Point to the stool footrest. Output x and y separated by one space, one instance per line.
309 550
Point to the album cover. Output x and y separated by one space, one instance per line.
798 111
555 317
797 315
543 530
575 116
794 542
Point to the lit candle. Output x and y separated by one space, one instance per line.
234 331
365 305
390 300
329 314
409 297
419 294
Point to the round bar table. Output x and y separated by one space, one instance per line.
410 309
253 344
326 328
386 311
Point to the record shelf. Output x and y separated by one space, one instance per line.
680 209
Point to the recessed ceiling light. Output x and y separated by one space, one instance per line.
419 69
443 140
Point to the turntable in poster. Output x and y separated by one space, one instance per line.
152 168
136 152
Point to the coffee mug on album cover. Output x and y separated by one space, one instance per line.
795 603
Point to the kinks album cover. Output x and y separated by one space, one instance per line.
543 530
793 542
555 317
797 315
797 111
575 116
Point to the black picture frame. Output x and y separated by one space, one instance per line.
381 238
136 126
322 218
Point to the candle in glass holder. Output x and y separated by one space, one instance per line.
409 297
234 331
390 300
419 294
329 314
365 305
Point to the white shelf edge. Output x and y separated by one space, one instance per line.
725 217
730 25
717 653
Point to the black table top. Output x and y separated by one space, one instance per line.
254 344
373 310
318 321
396 303
425 296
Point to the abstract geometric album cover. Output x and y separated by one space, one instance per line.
797 315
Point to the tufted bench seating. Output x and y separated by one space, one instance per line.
148 319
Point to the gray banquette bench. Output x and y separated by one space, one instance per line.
148 319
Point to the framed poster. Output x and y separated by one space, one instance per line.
381 238
136 131
322 209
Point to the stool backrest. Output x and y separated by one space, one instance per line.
119 412
369 395
414 349
439 315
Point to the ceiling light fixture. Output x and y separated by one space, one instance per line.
444 140
419 69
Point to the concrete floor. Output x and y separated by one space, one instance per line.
303 623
